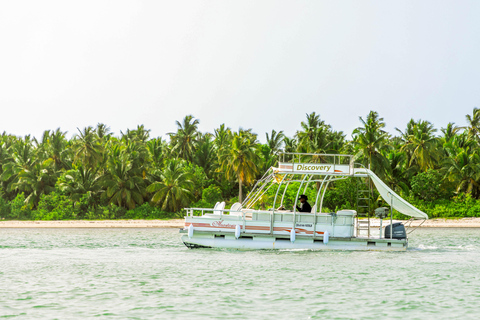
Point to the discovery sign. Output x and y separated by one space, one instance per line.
315 168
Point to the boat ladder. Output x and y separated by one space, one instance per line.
364 194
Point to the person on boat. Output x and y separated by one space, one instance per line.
304 205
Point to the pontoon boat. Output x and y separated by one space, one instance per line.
254 225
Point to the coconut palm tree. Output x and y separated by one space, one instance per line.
240 160
275 141
205 154
397 173
421 144
473 123
103 131
185 139
290 144
21 157
88 148
369 140
461 166
80 181
222 136
174 189
158 151
449 133
124 186
55 146
313 134
36 180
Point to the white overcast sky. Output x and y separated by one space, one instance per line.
250 64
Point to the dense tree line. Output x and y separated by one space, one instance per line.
98 175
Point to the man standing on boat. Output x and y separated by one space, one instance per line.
304 205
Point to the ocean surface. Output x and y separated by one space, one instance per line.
150 274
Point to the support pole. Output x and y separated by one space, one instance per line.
381 220
391 216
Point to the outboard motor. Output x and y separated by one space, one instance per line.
398 231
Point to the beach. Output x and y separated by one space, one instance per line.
173 223
179 223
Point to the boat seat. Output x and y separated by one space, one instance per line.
216 213
218 208
236 209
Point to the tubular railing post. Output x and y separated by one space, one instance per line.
274 202
283 195
306 184
315 213
323 194
391 216
296 201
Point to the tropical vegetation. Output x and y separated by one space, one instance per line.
97 175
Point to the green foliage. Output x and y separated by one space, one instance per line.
146 211
212 194
106 212
341 195
96 175
4 209
54 206
19 210
458 207
427 185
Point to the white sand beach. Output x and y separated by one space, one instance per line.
174 223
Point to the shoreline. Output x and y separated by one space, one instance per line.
172 223
179 223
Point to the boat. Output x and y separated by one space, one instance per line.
261 221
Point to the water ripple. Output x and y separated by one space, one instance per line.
148 273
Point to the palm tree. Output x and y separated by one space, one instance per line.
449 133
462 164
54 145
397 173
222 136
124 186
290 144
80 181
103 131
184 141
174 189
36 180
139 134
88 148
369 140
313 134
473 123
240 160
205 154
21 157
421 144
275 141
158 151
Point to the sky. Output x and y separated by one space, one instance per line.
251 64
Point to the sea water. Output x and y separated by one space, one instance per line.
150 274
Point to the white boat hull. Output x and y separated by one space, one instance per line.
270 243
